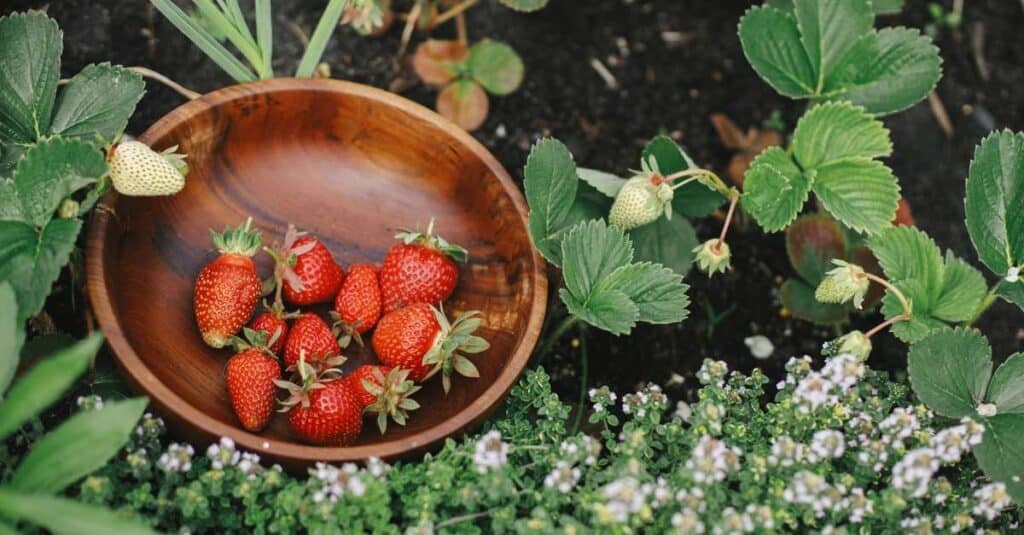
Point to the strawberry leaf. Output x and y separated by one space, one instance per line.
551 185
12 336
837 131
812 242
995 195
606 183
608 310
658 292
439 62
96 103
798 298
48 172
1007 387
669 242
30 49
1012 292
950 370
591 251
784 64
1001 452
861 193
496 67
31 259
775 189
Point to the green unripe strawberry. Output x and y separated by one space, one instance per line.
847 282
139 171
642 200
853 343
713 256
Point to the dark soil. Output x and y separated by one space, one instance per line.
664 85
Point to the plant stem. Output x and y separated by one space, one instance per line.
460 519
907 311
882 326
733 201
685 182
557 334
990 298
455 10
410 25
175 86
584 370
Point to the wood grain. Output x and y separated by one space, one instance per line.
350 164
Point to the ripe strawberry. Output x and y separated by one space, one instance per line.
421 269
309 271
311 335
251 376
274 325
228 288
357 307
139 171
420 338
384 391
323 410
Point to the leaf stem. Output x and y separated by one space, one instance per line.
733 201
453 12
987 302
907 310
584 370
882 326
461 518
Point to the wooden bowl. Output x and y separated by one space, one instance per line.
350 164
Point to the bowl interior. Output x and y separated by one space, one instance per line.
350 165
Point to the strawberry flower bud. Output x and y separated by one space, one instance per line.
713 256
68 209
854 343
846 282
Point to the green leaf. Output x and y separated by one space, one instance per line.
97 102
606 183
608 310
495 66
550 183
772 43
798 298
908 253
50 171
995 195
838 130
887 7
863 194
1012 292
1001 452
210 45
886 71
81 445
774 189
31 260
658 292
669 242
963 290
525 5
321 35
1007 387
12 336
45 383
693 199
949 371
30 48
920 326
591 251
62 516
828 29
812 242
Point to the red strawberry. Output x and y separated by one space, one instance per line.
323 411
311 335
421 269
274 325
357 307
309 271
384 391
420 338
251 376
228 288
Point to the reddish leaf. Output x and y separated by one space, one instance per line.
465 103
904 217
748 145
812 242
798 298
439 62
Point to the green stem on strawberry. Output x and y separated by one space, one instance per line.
584 372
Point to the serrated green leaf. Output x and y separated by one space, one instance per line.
798 298
96 103
49 171
1001 452
1006 389
591 251
950 369
30 49
550 183
606 183
691 200
45 383
772 44
525 5
76 448
963 290
812 242
995 195
669 242
919 326
1012 292
829 29
31 260
608 310
658 292
12 335
496 66
881 7
886 71
863 194
908 253
774 189
838 130
62 516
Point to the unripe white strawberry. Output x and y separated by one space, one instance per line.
139 171
642 200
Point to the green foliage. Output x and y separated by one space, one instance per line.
951 371
525 5
550 183
822 51
495 66
11 335
48 172
78 113
30 48
692 200
65 517
31 259
833 154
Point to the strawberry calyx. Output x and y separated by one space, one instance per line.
309 378
433 241
253 339
393 392
454 341
286 255
242 240
344 331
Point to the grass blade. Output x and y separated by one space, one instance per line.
202 39
322 34
265 36
236 31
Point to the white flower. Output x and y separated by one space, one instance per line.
712 372
901 424
89 403
987 410
692 499
950 444
760 346
844 370
712 460
377 468
149 426
249 464
827 444
687 522
992 499
732 521
491 452
336 482
1013 275
812 490
563 477
623 497
223 454
914 471
177 458
761 516
858 505
813 391
785 451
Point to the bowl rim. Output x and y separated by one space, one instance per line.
208 429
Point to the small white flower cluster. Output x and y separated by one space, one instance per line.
858 505
712 460
992 499
785 452
137 460
899 426
563 477
177 458
602 398
826 444
89 403
914 471
796 368
491 452
150 426
223 454
623 497
639 403
336 482
813 491
581 449
712 372
844 371
814 391
688 522
952 443
377 468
